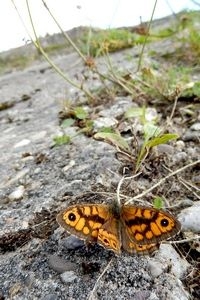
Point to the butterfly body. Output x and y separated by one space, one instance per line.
136 229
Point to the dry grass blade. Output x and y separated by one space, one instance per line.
91 297
162 181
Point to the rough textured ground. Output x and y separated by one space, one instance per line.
38 261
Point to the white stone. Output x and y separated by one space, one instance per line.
156 268
69 166
17 194
39 136
195 126
151 114
21 174
22 143
180 145
68 276
168 257
190 218
104 122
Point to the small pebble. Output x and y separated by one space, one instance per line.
119 107
180 157
68 277
191 136
60 265
164 148
21 174
69 166
151 114
180 145
50 297
141 295
168 257
155 267
72 243
22 143
104 122
189 218
39 135
192 151
17 194
37 170
185 203
195 126
27 158
153 296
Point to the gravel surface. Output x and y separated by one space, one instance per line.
37 180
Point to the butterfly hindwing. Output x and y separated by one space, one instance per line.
109 235
133 248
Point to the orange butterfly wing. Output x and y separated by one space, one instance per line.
94 223
145 225
134 248
137 229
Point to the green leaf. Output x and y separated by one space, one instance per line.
61 140
158 202
134 112
80 113
106 130
191 89
151 130
196 89
67 122
113 139
162 139
88 126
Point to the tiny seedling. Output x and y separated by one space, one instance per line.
158 202
62 140
152 137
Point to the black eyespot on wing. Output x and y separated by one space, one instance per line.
106 241
72 217
164 222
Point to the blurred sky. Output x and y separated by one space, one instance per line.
72 13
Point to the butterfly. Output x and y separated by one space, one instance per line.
135 229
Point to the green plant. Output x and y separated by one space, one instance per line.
152 134
62 140
54 47
74 116
158 84
191 39
16 61
110 40
152 137
158 202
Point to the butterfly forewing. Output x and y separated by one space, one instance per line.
146 225
84 221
